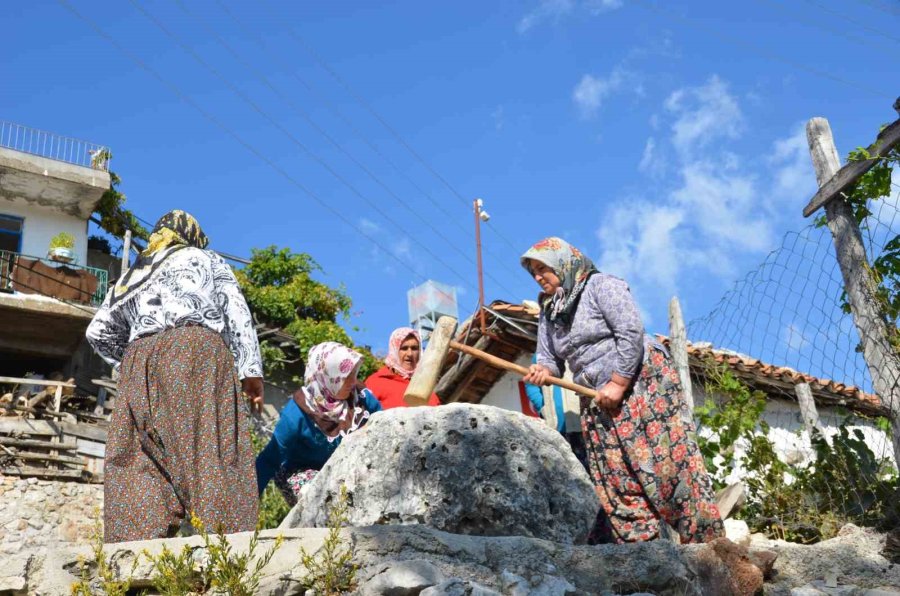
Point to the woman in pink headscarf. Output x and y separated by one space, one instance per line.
389 382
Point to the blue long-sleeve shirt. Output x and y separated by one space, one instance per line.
536 397
298 444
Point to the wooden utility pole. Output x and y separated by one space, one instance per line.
126 250
807 408
678 347
874 331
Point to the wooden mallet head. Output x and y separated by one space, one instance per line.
424 380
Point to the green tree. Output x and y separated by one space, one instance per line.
114 217
281 291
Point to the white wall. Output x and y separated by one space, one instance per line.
41 224
505 392
792 442
786 430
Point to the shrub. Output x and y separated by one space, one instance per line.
331 571
806 502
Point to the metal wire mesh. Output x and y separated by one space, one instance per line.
789 312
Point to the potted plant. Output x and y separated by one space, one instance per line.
62 248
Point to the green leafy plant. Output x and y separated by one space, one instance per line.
331 570
108 581
807 502
281 290
62 240
99 243
175 574
115 219
228 572
220 571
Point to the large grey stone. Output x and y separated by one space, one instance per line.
461 468
14 574
855 557
402 578
458 587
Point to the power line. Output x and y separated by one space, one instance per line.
365 104
240 140
288 134
878 6
759 51
853 21
336 111
308 118
780 5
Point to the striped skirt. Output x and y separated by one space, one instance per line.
179 440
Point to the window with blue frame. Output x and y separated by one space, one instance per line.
11 232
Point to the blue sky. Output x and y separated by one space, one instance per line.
665 139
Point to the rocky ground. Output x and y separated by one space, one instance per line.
414 559
471 500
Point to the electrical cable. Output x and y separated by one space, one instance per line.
308 118
236 137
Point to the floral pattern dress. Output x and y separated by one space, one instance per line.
645 464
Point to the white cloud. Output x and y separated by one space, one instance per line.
723 206
368 226
591 91
711 209
402 248
794 179
546 10
555 10
794 338
652 161
497 116
703 115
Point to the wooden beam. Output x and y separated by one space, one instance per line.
874 331
48 457
43 472
850 173
84 431
678 346
808 411
28 427
42 382
34 443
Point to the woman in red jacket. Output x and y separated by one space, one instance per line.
389 382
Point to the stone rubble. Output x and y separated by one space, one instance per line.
38 514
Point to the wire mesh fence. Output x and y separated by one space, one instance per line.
790 313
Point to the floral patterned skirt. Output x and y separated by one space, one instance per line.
290 483
179 440
645 464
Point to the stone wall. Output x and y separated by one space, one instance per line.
37 514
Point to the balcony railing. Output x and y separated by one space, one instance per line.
63 281
53 146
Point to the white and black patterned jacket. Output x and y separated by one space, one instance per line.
192 286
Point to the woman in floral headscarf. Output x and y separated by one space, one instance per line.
389 382
327 408
643 459
178 329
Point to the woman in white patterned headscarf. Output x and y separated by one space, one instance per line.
329 406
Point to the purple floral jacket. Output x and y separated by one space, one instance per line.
606 335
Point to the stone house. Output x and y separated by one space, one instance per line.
51 465
49 185
511 334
